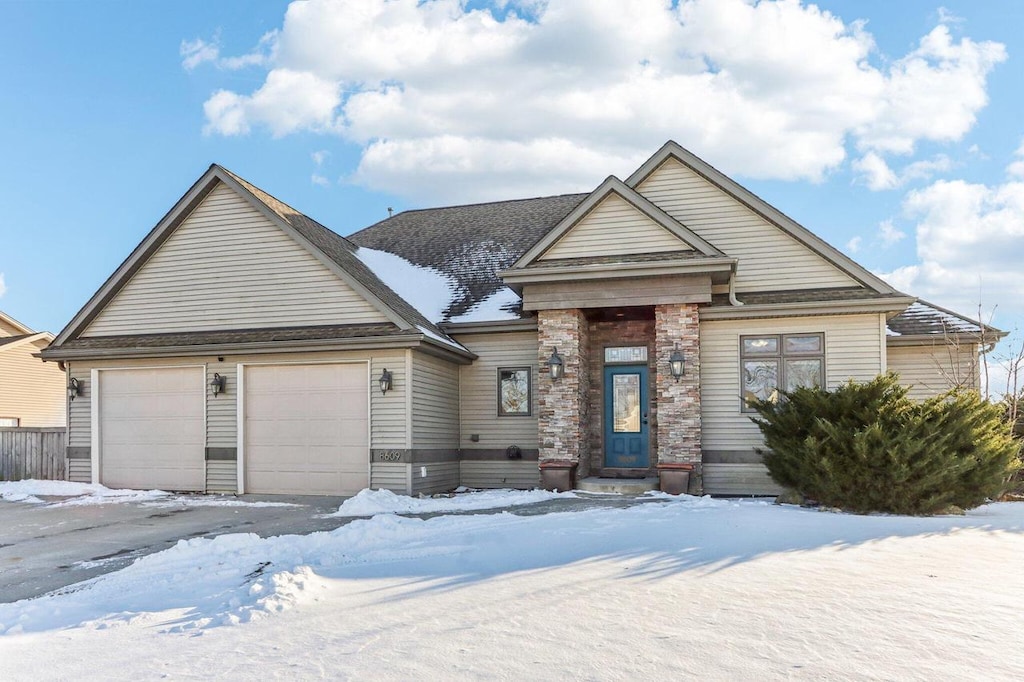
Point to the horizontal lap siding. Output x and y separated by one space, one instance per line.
931 370
479 399
853 349
30 389
221 476
524 475
228 267
390 476
769 259
80 425
80 470
614 227
222 410
435 403
441 477
739 479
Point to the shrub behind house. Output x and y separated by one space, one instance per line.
868 447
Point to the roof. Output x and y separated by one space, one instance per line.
5 340
927 319
10 321
800 296
469 243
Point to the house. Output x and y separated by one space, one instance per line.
242 346
31 392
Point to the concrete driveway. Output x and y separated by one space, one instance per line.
45 547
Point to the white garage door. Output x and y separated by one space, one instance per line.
306 429
152 428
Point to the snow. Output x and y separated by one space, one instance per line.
425 289
662 588
371 502
84 494
494 307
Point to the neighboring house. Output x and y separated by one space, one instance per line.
32 392
244 347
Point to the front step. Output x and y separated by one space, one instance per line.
624 486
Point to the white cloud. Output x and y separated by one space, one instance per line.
1016 168
320 180
727 78
320 156
3 285
888 234
199 51
196 52
853 246
878 176
970 238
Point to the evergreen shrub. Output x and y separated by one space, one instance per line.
867 447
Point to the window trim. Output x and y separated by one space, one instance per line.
780 357
529 390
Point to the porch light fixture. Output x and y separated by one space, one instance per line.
385 381
218 384
74 388
676 363
555 365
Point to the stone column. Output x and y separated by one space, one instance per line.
679 454
563 404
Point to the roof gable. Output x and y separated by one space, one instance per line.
852 272
587 227
331 251
11 327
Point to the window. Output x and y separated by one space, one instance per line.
781 361
9 421
515 391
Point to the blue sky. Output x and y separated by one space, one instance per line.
892 130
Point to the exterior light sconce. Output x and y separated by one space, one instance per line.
385 381
555 365
676 364
218 384
74 388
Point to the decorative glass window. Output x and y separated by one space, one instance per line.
626 403
515 392
9 421
626 355
777 362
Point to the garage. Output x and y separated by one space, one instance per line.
152 428
306 429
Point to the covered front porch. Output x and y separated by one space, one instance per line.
619 396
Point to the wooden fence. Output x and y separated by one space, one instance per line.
32 453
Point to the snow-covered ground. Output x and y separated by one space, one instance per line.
669 589
81 494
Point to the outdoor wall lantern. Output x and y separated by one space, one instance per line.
217 384
676 363
385 381
555 365
74 388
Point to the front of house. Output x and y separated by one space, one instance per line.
243 347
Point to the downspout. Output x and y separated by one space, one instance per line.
732 288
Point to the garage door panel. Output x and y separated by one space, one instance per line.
152 428
306 428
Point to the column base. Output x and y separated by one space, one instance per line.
558 475
675 477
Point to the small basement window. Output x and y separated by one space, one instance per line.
515 391
777 362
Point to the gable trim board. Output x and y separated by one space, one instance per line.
614 186
762 208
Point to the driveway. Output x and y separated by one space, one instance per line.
47 547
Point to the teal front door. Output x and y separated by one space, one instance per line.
625 417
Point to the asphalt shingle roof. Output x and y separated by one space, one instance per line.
319 333
469 243
923 318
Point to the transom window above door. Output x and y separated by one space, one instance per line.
775 362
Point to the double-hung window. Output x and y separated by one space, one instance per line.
775 362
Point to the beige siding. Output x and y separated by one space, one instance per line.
435 402
769 259
640 291
614 227
739 479
854 348
393 476
80 470
387 412
221 476
7 329
438 477
521 474
479 400
31 390
931 370
229 267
